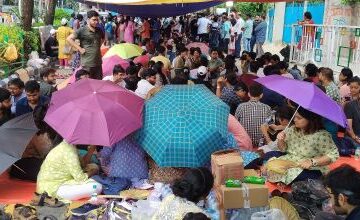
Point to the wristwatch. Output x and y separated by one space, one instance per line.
313 162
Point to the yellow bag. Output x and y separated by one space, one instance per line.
11 53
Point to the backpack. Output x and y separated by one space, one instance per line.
308 198
109 28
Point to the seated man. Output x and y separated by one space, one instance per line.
47 83
146 83
51 45
32 99
253 114
344 189
81 74
118 76
16 88
352 112
5 106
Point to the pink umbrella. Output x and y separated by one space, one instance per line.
94 112
143 60
110 62
203 47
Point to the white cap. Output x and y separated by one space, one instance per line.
202 70
52 31
64 21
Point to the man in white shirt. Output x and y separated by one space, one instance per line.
203 28
146 84
118 76
238 32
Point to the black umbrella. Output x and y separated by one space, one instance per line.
15 135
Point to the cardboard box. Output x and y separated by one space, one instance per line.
248 196
251 172
226 164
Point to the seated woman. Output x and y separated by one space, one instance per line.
307 144
187 192
125 159
62 176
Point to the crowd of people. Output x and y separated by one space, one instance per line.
258 116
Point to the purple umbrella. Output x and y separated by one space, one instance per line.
110 62
94 112
307 95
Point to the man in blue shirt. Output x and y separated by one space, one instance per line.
32 99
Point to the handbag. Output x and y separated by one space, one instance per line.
48 208
67 49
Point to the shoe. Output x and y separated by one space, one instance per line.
22 212
84 209
45 200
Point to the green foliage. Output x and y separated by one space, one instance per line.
13 33
350 2
25 42
60 14
251 8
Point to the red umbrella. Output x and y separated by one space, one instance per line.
203 47
110 62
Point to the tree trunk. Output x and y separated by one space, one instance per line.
27 14
50 12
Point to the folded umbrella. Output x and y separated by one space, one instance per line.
307 95
15 135
183 125
124 50
94 112
109 63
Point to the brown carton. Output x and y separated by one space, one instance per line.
248 196
226 164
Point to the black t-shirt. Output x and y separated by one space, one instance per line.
50 42
352 111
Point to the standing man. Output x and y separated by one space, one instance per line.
260 36
203 24
238 33
253 37
248 29
91 38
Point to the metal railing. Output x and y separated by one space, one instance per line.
330 46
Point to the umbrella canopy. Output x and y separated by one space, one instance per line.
143 60
203 47
15 135
124 51
94 112
183 125
109 63
307 95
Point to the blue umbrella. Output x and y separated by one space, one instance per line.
183 125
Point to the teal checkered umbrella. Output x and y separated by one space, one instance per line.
183 125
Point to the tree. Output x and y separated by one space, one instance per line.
252 8
27 9
50 12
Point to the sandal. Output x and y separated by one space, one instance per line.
22 212
45 200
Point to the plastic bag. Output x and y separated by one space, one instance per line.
11 53
272 214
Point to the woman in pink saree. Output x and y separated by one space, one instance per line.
129 30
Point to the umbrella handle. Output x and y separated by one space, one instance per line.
292 118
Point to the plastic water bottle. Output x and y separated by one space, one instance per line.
357 153
93 197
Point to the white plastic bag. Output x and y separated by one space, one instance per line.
272 214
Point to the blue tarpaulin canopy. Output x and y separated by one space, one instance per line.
151 10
